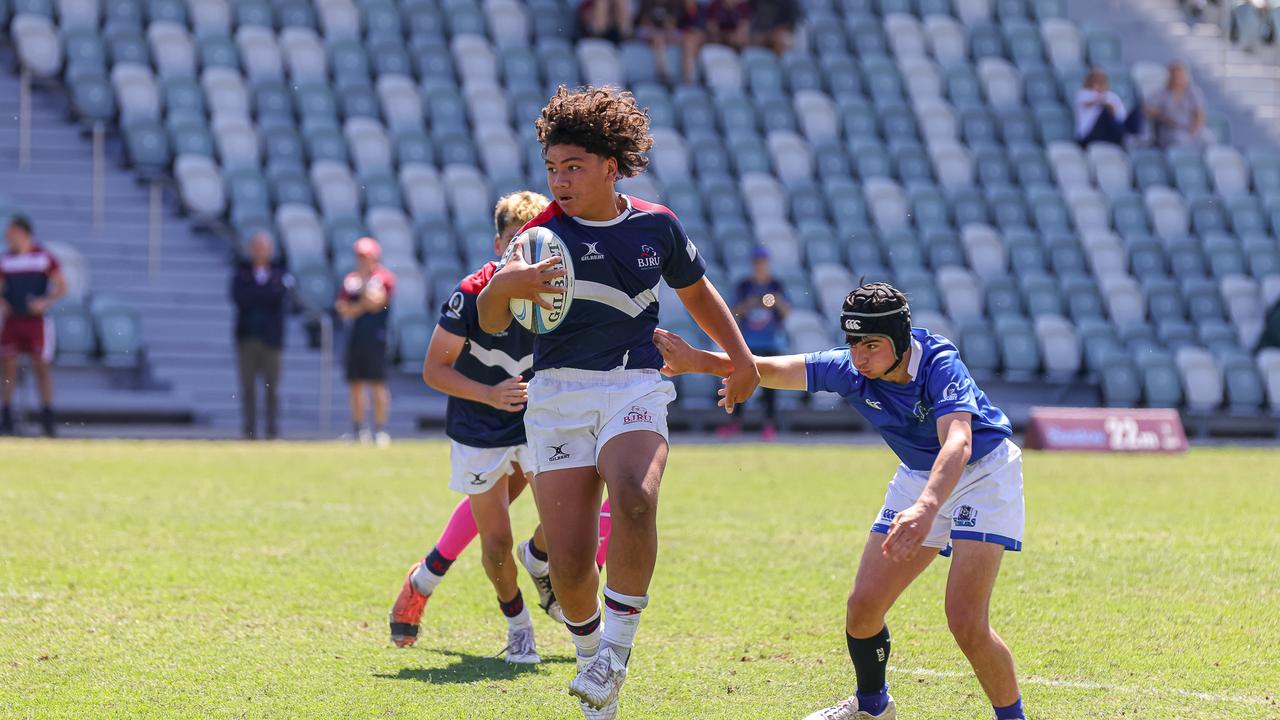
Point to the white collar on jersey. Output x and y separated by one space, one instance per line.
913 365
606 223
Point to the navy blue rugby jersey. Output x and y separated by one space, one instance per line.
487 359
617 266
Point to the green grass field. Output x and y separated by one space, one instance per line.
194 580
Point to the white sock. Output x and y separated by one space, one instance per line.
622 618
537 568
523 620
586 645
425 581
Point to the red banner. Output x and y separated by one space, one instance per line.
1106 429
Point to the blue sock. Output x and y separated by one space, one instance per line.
873 703
1010 712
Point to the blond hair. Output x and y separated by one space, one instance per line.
518 208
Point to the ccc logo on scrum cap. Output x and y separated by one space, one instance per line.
852 324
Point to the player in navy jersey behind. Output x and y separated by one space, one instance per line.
598 405
30 282
484 376
958 490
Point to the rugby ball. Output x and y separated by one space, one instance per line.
538 244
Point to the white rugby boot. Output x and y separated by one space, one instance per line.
848 710
598 684
521 649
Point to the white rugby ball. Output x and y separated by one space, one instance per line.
539 244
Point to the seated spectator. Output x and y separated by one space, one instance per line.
1100 113
1177 112
608 19
773 23
760 307
673 21
729 23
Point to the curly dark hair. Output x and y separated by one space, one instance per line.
604 121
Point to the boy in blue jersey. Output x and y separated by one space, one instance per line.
958 490
598 405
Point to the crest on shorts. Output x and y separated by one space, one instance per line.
965 516
637 415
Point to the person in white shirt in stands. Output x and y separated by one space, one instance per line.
1101 115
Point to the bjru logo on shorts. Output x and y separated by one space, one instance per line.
966 516
648 257
637 415
558 453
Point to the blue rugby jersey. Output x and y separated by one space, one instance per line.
487 359
906 415
617 267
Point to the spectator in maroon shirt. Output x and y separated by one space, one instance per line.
679 22
729 23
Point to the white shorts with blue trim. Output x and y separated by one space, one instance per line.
986 504
474 471
573 413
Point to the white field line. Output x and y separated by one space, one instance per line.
1084 685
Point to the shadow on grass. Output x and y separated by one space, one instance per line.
468 668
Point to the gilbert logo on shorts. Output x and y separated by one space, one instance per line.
637 415
966 516
476 479
558 453
648 257
593 252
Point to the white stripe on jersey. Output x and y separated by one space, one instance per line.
615 298
497 358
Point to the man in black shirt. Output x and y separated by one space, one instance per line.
260 290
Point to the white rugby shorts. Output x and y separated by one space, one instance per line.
474 470
986 504
572 413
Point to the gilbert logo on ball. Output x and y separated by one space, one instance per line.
538 244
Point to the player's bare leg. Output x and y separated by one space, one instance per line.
568 505
876 588
44 385
491 510
974 567
355 397
632 465
568 502
9 364
381 411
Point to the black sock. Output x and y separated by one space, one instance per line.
512 607
540 555
437 563
870 660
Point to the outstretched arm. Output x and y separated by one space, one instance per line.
782 372
713 316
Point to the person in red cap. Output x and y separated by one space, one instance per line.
365 301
